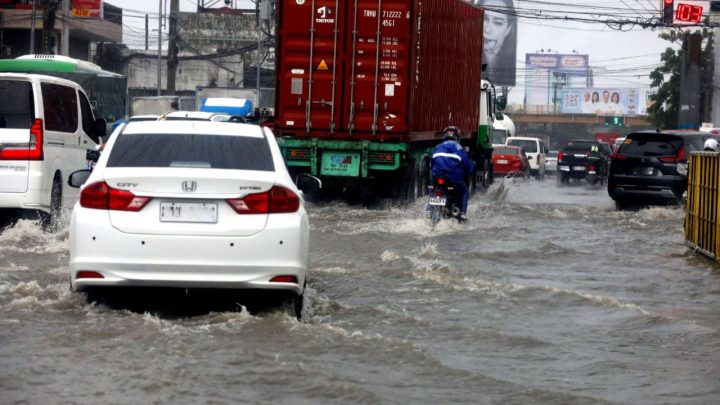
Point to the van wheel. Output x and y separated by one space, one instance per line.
51 222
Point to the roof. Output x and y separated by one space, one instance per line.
192 128
192 115
52 64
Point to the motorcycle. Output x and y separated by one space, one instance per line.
444 201
595 173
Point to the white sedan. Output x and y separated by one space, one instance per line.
190 205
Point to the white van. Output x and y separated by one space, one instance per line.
535 150
46 127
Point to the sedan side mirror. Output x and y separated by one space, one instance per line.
78 178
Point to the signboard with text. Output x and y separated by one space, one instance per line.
605 101
87 8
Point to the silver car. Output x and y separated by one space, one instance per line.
551 161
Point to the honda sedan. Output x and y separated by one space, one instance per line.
190 205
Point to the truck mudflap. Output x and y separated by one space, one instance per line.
332 158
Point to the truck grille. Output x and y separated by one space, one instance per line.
381 157
298 154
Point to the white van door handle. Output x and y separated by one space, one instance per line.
56 142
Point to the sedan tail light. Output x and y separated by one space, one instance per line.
277 200
103 197
33 150
560 156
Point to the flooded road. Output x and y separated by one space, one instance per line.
548 295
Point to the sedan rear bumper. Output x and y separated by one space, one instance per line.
188 261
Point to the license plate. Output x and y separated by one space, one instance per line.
502 161
646 171
579 168
437 201
335 163
188 212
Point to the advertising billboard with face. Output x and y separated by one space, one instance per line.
604 101
499 41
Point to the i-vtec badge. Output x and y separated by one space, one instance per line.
189 186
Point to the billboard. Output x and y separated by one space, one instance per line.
605 101
564 63
499 41
547 73
87 8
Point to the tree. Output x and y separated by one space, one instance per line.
664 111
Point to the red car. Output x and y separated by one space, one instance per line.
510 161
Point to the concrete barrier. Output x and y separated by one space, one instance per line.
702 210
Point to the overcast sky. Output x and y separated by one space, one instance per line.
633 52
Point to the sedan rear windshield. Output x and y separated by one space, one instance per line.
19 113
506 151
194 151
648 145
578 146
527 145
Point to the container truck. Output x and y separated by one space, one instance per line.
364 89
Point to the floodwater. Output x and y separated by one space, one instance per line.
548 295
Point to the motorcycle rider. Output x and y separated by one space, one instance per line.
450 160
596 158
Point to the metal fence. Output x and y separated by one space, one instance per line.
702 212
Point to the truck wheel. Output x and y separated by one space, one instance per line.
409 184
487 177
423 179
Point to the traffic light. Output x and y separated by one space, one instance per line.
617 120
668 8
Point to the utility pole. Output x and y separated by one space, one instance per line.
147 28
159 61
688 114
172 60
48 33
259 49
65 40
2 30
714 18
32 27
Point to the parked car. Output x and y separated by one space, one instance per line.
617 144
44 134
190 205
573 159
551 161
535 150
651 167
510 161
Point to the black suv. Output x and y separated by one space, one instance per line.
651 167
573 158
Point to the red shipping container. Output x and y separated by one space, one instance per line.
377 69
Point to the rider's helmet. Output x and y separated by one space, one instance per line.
711 145
451 132
594 149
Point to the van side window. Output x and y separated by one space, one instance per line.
87 115
61 109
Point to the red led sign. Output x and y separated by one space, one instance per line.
689 13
